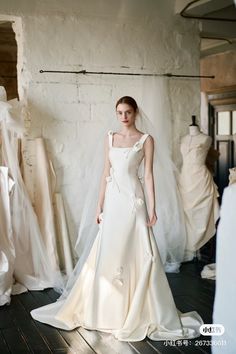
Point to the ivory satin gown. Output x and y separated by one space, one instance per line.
122 288
198 191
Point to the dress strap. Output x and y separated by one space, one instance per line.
143 138
110 134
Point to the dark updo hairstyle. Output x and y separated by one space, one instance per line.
128 100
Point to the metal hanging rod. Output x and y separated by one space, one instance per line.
84 72
217 38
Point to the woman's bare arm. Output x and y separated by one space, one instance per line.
106 172
149 180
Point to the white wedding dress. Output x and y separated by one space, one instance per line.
122 288
198 191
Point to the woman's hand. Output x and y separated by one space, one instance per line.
152 219
98 216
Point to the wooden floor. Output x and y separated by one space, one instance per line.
19 333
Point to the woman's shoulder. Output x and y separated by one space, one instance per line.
108 136
149 137
148 141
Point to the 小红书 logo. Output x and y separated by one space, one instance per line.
212 329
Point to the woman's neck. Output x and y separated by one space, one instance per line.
128 131
194 130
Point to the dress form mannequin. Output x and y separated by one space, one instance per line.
3 94
194 130
198 190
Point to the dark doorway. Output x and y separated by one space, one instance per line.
8 59
222 128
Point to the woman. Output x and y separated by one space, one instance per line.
122 288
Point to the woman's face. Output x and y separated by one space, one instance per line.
125 114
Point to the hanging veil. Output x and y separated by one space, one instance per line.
169 230
32 267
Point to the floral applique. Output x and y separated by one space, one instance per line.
141 178
111 178
137 202
137 146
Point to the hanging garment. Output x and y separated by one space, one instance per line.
32 267
40 180
199 193
7 250
224 311
122 288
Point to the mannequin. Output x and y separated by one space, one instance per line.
3 94
194 130
198 190
232 175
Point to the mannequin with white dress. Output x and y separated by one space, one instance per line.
198 191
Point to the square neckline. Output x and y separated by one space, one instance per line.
124 147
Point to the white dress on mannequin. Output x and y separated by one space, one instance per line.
122 288
198 191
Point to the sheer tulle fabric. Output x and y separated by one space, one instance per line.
169 231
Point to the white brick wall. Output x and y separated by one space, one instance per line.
95 93
104 35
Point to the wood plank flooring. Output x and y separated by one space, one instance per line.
19 333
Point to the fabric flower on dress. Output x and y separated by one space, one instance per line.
112 179
137 146
141 178
137 202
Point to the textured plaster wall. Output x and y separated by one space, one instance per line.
105 35
223 67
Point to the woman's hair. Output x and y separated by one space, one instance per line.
128 100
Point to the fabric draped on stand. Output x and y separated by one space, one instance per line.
199 193
40 183
40 180
28 261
